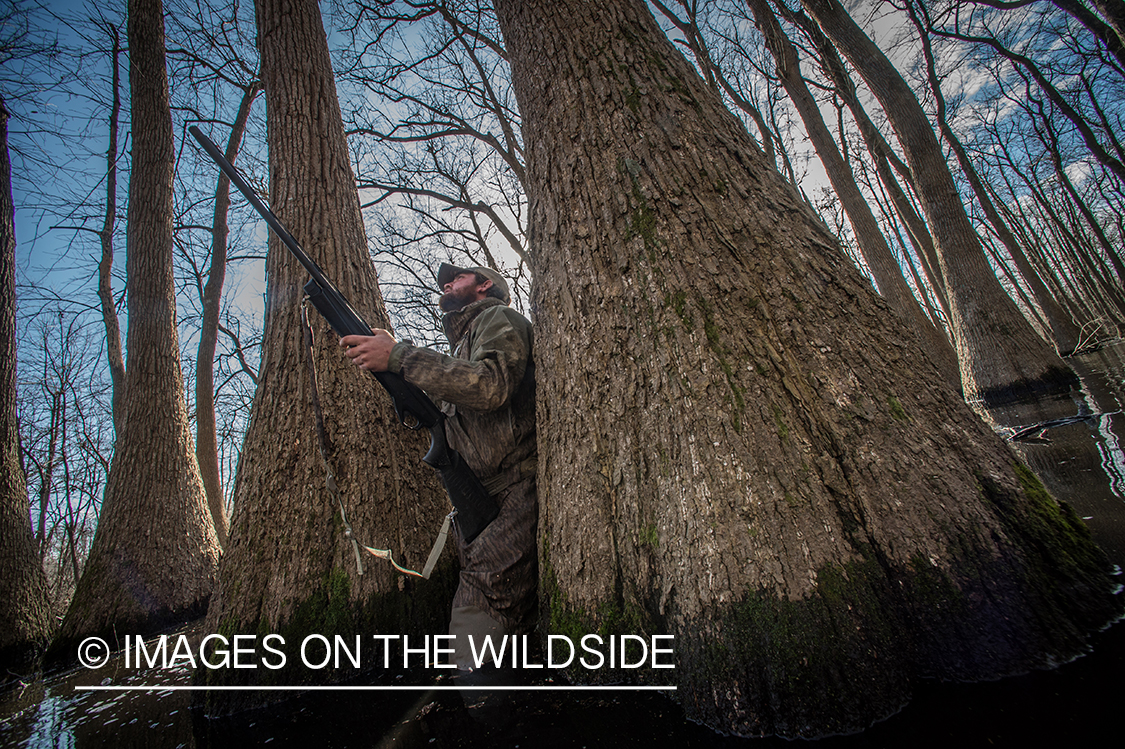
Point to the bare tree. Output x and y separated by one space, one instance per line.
289 566
106 235
1029 151
1084 127
25 623
884 268
66 428
1063 331
880 151
439 160
1001 356
213 63
155 556
206 436
696 40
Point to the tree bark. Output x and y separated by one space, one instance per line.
206 439
1063 331
1001 357
884 268
25 618
154 557
739 444
289 568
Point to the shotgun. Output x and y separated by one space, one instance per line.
474 507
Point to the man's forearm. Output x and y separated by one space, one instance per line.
482 385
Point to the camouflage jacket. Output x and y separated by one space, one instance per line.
487 389
486 386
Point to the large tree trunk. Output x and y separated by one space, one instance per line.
25 617
289 568
154 557
1001 356
884 268
739 444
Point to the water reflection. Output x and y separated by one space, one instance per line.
1074 444
50 727
57 712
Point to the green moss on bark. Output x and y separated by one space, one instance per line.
847 654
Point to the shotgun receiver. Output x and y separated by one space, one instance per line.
474 506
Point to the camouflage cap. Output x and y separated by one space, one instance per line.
448 272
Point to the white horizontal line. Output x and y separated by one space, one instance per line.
338 688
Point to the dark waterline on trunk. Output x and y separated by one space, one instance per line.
1075 445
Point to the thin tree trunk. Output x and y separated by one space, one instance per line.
25 620
736 445
1001 357
1047 268
206 438
926 288
1051 143
1076 243
69 522
154 557
105 265
884 268
1082 269
47 470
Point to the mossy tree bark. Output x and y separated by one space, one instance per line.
154 556
25 617
288 567
739 444
1001 356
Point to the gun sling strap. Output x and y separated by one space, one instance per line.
330 480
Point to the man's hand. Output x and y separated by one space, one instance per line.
372 352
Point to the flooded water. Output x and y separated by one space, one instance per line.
1075 446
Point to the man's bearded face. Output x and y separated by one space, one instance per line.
456 300
459 293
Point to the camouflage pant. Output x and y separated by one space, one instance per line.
499 569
